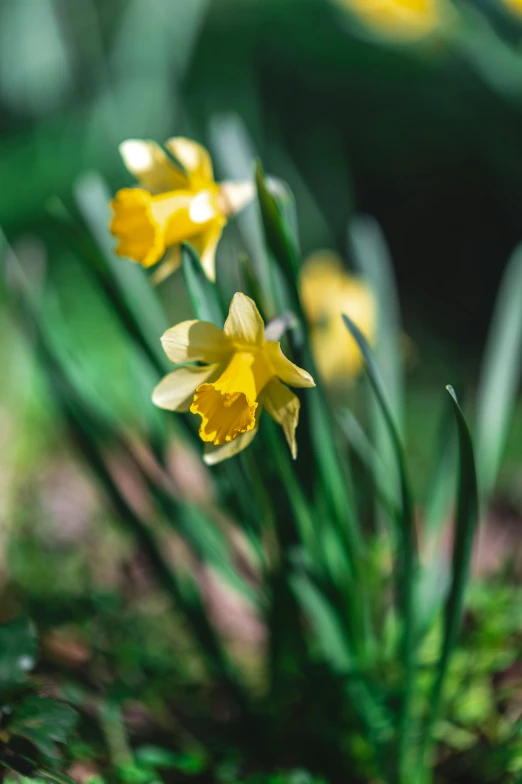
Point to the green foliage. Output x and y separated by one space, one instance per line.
31 727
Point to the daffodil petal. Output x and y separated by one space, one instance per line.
215 454
322 276
291 374
198 341
140 236
193 157
151 166
205 245
234 196
283 406
337 356
176 391
244 324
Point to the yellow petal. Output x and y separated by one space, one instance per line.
234 196
244 324
151 166
140 235
195 341
321 277
170 263
194 159
205 246
176 391
283 406
215 454
288 372
406 19
337 356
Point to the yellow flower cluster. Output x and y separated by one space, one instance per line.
229 376
174 204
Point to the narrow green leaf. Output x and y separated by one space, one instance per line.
322 449
335 475
332 639
234 152
203 294
406 549
434 579
52 775
500 374
465 526
277 232
253 289
329 632
369 458
372 259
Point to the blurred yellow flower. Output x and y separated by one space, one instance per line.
515 6
326 292
241 374
172 205
400 18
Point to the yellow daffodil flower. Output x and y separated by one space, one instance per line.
406 19
326 292
173 205
515 6
241 374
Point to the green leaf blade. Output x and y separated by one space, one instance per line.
202 292
465 526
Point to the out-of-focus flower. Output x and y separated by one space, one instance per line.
173 205
404 19
327 291
514 5
241 375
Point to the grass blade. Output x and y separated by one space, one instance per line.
203 294
372 259
500 375
277 232
465 525
406 559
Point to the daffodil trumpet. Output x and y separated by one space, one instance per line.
172 205
240 374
